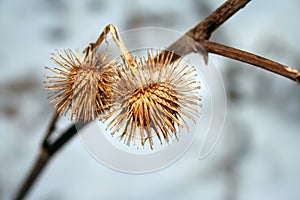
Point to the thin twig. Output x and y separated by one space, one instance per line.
40 162
38 167
47 150
51 127
252 59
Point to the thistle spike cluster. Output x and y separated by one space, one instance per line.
140 97
154 95
81 86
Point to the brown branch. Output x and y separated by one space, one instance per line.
201 33
51 127
252 59
38 167
205 28
47 150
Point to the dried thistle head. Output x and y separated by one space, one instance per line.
81 85
154 96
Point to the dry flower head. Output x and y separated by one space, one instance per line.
153 97
81 85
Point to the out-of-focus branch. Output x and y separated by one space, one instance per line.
47 150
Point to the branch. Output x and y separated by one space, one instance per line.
38 166
201 33
252 59
205 28
47 150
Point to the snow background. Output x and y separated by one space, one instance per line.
258 154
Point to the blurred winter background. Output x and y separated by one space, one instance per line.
258 156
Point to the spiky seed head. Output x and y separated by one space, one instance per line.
80 85
155 96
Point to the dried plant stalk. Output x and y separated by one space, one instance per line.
154 95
